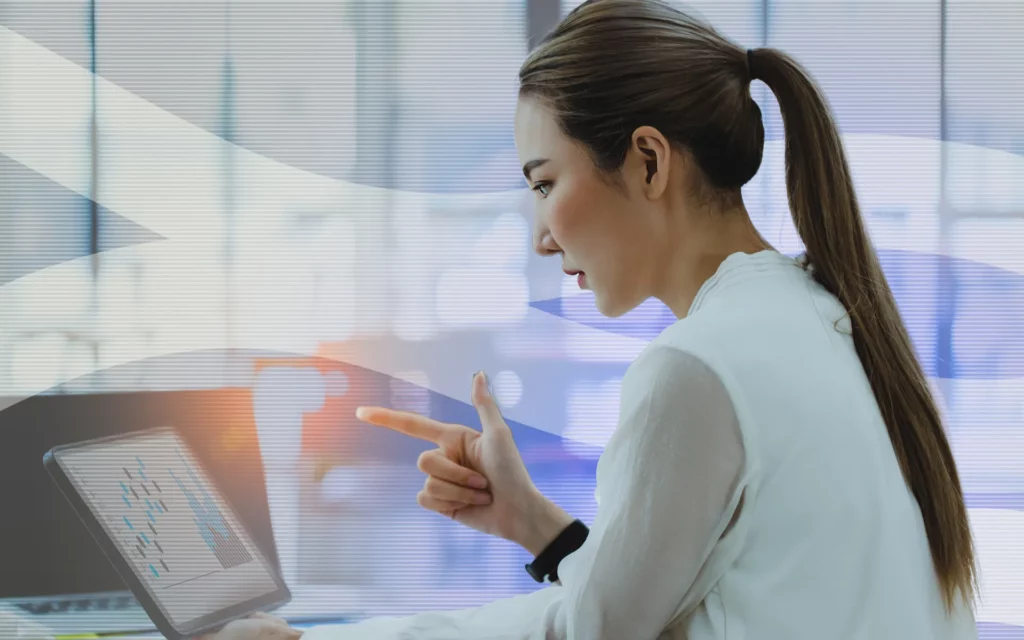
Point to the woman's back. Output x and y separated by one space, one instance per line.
829 540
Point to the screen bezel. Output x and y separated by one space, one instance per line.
139 589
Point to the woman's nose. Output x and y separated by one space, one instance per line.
543 243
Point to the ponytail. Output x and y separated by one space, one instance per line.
839 252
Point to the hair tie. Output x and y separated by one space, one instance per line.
750 65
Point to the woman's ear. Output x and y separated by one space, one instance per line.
650 156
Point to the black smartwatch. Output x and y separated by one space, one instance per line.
545 565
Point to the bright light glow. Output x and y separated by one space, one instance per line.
593 415
489 289
64 305
481 297
274 298
341 484
36 363
508 388
993 241
413 272
986 435
410 391
127 347
998 534
584 344
117 295
183 302
79 356
281 396
983 180
333 253
335 384
504 245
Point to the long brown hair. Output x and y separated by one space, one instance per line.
614 65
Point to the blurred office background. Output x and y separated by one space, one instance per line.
286 196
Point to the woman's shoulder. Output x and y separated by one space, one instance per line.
696 364
668 373
690 344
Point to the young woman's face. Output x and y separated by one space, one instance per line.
605 232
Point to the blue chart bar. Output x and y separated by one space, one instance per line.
147 547
219 537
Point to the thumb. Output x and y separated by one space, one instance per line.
486 405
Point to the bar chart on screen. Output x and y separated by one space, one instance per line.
215 531
143 497
157 506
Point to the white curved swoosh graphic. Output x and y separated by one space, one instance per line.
169 181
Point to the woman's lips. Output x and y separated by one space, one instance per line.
581 278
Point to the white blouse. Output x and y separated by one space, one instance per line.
749 491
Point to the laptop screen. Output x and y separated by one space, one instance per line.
48 551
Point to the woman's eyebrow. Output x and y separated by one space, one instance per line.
531 165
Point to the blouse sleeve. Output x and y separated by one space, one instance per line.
669 482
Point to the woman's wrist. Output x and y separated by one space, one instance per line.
542 524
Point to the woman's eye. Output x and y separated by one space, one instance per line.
542 188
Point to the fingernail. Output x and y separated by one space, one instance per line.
361 413
481 498
477 482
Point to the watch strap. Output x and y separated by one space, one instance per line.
545 565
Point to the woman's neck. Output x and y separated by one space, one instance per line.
698 255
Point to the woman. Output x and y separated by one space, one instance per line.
779 469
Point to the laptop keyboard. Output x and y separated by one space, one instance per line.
106 603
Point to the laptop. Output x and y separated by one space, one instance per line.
53 571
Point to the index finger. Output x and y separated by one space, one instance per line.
411 424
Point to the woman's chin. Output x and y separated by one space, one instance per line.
607 307
615 307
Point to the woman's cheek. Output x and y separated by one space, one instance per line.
566 221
